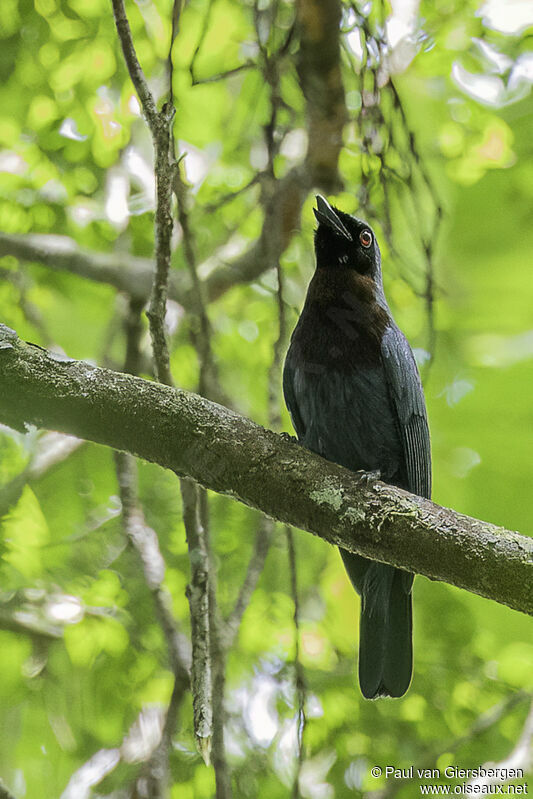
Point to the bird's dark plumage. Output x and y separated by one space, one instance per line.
354 395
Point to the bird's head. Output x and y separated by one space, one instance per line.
344 241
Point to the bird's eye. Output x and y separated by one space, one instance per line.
365 237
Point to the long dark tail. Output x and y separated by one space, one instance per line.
386 627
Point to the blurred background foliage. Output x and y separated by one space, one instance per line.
438 155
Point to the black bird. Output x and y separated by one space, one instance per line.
354 395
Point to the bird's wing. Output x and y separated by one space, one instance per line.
289 375
407 396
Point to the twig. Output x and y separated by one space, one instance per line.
222 75
198 596
300 686
164 170
134 68
160 124
218 667
176 15
228 73
256 564
144 541
203 32
208 628
208 385
227 198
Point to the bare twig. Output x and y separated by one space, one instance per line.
198 596
256 564
134 68
144 541
203 32
196 81
164 170
160 124
218 666
209 707
300 686
176 16
232 195
228 73
209 385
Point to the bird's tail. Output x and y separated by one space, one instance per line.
385 637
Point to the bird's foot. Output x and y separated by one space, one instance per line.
368 477
288 438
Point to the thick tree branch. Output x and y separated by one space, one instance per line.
232 455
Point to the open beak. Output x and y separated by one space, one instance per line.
325 215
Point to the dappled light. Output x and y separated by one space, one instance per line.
163 640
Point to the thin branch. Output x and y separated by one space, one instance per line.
228 73
208 654
218 668
230 454
203 32
176 16
232 195
198 596
212 655
164 171
300 686
144 540
255 568
209 385
160 124
62 254
192 66
134 68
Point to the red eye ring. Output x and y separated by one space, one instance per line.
365 237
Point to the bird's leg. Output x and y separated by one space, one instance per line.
368 477
288 438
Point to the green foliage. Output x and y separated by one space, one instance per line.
82 651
